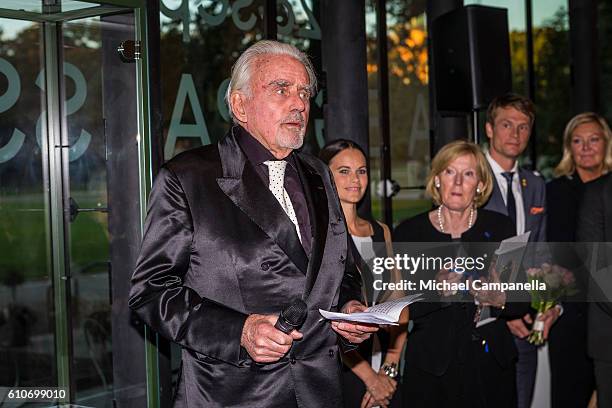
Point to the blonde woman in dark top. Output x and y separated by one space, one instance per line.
449 361
370 373
587 155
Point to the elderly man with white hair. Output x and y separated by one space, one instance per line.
238 230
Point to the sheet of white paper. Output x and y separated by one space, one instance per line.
361 317
513 243
485 321
382 313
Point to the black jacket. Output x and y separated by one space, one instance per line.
595 225
443 331
217 247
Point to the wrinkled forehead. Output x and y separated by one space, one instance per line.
462 161
279 69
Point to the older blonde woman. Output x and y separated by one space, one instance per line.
450 362
587 155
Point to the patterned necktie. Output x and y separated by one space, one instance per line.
510 203
277 187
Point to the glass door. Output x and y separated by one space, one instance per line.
71 120
27 318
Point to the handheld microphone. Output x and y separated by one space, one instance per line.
292 317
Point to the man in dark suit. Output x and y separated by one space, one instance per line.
521 195
595 225
236 231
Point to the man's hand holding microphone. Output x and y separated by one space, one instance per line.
267 338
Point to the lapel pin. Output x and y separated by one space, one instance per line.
524 182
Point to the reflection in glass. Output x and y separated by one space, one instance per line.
199 43
408 104
27 350
373 107
298 24
36 6
552 75
88 235
604 23
409 108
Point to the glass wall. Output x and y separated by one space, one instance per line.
298 24
408 98
200 41
408 106
27 342
551 59
55 269
551 55
604 22
88 233
374 95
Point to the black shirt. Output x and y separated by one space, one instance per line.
563 197
444 334
257 154
489 227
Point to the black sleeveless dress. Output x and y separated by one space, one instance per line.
353 388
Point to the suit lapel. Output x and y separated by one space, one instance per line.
242 185
496 202
528 199
316 201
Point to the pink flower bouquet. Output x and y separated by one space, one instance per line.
559 282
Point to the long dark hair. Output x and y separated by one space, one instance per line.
333 147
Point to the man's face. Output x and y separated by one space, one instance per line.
509 134
276 111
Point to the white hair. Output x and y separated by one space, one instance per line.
241 71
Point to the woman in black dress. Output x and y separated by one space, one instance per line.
369 375
449 362
587 155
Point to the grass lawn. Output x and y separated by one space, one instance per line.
25 246
402 209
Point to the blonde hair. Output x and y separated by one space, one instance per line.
450 152
567 166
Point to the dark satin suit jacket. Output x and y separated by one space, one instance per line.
595 225
218 247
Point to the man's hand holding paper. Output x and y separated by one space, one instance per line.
351 331
387 313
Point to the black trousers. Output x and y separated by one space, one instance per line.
571 369
603 379
477 382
